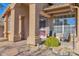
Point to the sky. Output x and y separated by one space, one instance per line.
69 20
4 5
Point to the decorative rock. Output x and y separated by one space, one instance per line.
10 52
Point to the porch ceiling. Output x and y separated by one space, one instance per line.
59 10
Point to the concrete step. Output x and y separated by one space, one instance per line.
3 39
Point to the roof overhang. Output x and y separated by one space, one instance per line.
7 12
55 7
8 9
59 10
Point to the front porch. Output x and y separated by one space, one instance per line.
31 23
18 24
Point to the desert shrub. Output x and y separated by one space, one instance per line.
52 42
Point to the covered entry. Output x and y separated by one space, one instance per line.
16 24
62 11
23 24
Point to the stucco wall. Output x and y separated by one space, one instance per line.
21 10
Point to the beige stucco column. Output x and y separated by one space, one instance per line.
31 38
6 27
20 27
78 23
12 25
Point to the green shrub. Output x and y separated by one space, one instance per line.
52 42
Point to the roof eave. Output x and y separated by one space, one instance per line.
6 10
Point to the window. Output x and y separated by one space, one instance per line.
57 29
62 26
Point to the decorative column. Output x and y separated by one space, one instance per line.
6 27
32 24
12 25
20 27
77 23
